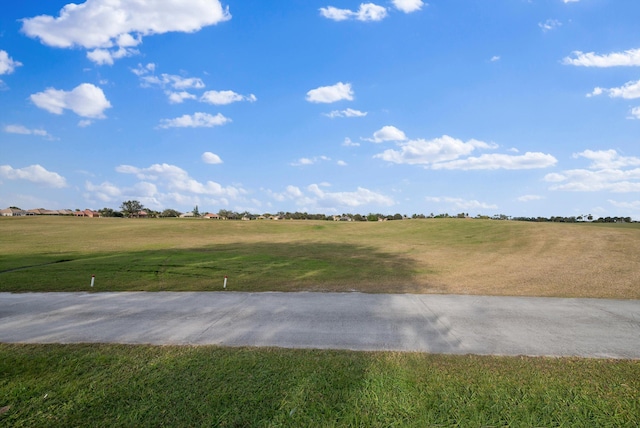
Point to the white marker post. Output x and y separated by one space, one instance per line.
93 279
225 282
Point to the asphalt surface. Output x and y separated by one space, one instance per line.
443 324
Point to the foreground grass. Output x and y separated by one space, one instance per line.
116 385
417 256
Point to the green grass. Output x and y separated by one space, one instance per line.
417 256
115 385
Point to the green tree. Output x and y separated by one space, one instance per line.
170 213
196 213
109 212
131 208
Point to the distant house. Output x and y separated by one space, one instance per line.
187 215
212 216
12 212
87 213
142 214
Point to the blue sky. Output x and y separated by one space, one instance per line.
523 108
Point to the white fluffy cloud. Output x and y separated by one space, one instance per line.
366 12
225 97
635 113
34 173
211 158
608 171
112 28
314 198
180 97
331 94
607 159
530 160
85 100
426 152
627 58
408 6
176 179
629 91
7 64
387 133
196 120
446 153
346 113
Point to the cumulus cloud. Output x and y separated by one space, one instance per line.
225 97
608 171
111 29
180 97
176 179
635 113
607 159
630 90
387 133
211 158
23 130
366 12
427 152
346 113
361 196
85 100
331 94
104 192
315 198
196 120
530 160
7 64
408 6
626 58
34 173
450 153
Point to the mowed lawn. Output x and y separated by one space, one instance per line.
120 385
462 256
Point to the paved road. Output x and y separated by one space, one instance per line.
444 324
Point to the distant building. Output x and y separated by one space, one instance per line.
12 212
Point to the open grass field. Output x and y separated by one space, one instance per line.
459 256
139 386
117 385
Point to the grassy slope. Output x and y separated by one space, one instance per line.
99 385
114 385
421 256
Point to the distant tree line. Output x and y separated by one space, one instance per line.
135 209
